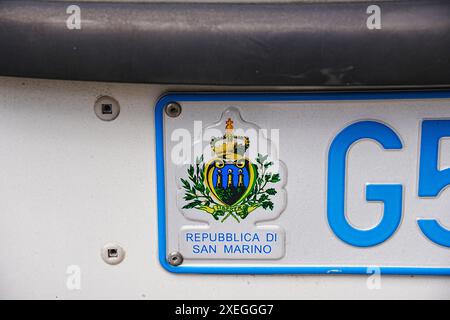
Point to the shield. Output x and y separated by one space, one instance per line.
230 181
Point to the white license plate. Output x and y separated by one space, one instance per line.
304 183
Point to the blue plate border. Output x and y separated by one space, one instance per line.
271 96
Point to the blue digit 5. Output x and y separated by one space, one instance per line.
431 180
390 195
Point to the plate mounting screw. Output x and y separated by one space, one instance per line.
112 253
175 258
173 109
106 108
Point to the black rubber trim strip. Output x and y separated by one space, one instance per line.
299 44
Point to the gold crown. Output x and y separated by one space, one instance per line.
230 146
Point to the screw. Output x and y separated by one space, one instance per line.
112 253
173 109
106 108
175 259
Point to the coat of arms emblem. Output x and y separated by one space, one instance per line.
230 185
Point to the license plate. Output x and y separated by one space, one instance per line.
304 183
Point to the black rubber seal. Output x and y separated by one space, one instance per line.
294 44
